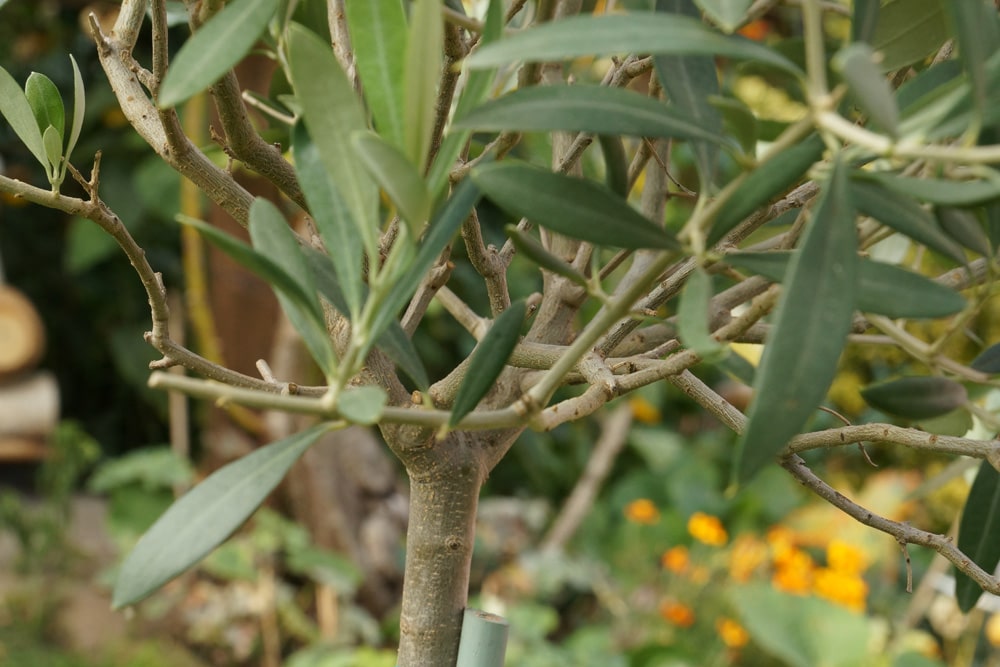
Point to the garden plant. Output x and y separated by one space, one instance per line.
665 216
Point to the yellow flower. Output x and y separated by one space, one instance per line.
993 630
643 411
844 557
642 511
707 529
846 589
746 555
732 633
677 613
676 559
793 572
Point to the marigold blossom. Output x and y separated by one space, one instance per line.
707 529
642 511
676 613
676 559
732 633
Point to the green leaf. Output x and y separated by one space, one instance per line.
47 104
362 405
534 251
476 88
274 239
488 360
988 361
871 90
333 220
615 164
332 115
15 108
393 341
908 31
803 630
214 49
977 533
963 226
692 316
810 329
53 152
577 208
424 46
864 19
882 288
79 109
904 215
922 397
978 37
727 14
204 517
439 234
776 175
397 176
636 32
738 120
272 273
378 31
939 190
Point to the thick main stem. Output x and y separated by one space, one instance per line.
439 543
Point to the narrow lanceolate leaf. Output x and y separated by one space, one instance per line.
422 71
393 341
871 90
46 103
332 218
916 397
79 109
864 18
963 226
279 279
362 405
767 181
691 81
488 360
637 32
531 249
273 239
332 114
692 316
939 190
204 517
398 178
215 49
583 108
574 207
476 89
16 110
811 326
978 36
903 214
442 229
988 360
615 164
53 151
378 31
883 288
977 533
909 30
727 14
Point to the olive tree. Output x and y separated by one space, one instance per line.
401 118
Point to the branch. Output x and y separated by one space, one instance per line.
903 533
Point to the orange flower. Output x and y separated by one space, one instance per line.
676 559
642 511
676 613
756 30
844 557
846 589
732 633
707 529
643 411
